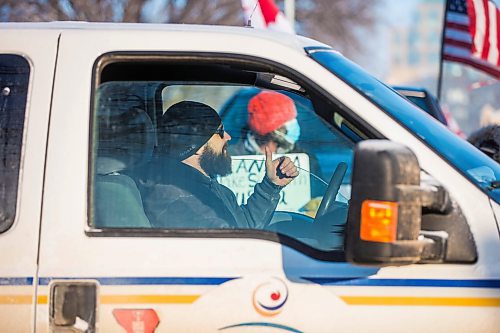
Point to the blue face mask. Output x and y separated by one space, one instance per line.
292 131
287 140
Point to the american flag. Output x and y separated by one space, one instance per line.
472 34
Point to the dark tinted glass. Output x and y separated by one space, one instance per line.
14 81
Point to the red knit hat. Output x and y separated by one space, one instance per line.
269 110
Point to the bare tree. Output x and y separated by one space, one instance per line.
338 22
55 10
335 22
224 12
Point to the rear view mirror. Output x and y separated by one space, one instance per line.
398 218
384 218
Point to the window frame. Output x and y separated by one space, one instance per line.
246 62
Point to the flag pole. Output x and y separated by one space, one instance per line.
443 33
290 11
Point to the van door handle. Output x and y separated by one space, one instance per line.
73 306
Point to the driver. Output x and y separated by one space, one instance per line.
184 191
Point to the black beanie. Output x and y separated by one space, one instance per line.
185 127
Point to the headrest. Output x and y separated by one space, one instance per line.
125 139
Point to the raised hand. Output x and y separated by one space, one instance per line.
281 171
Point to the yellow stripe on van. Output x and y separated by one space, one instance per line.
16 299
135 299
421 301
22 299
350 300
43 299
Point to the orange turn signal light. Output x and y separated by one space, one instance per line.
379 221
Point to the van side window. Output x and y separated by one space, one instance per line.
180 150
14 82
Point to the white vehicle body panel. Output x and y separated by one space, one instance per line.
19 245
206 284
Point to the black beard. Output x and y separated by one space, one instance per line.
216 164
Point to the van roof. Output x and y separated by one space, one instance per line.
294 41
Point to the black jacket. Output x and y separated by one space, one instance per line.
179 196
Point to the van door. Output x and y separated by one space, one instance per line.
27 59
105 271
116 263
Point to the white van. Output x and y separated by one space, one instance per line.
405 238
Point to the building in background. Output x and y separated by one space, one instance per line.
469 96
415 48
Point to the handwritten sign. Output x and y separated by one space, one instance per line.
249 170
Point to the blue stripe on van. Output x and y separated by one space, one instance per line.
211 281
16 281
494 284
405 282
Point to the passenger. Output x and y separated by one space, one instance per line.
271 123
184 192
487 139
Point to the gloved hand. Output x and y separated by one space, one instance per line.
281 171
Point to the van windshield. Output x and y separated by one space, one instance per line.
473 164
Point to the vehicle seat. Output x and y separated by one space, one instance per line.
126 142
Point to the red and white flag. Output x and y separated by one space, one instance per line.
472 34
264 14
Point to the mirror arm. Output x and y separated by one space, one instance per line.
435 244
434 198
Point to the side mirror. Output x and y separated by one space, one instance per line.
385 212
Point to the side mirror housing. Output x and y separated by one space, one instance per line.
385 212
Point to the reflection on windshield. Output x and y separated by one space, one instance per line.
473 164
483 175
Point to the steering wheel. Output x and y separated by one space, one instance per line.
326 233
332 190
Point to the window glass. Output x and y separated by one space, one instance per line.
189 154
14 80
483 171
